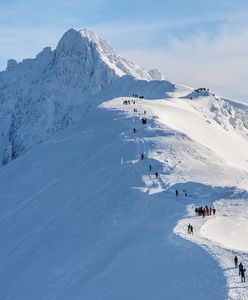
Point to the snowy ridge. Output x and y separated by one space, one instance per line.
218 130
120 65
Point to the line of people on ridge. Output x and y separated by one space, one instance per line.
144 121
150 166
242 270
205 211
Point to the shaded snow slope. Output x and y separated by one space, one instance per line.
81 217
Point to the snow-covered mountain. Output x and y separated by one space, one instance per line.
44 95
82 216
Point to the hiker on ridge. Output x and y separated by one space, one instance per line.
241 268
243 275
189 228
235 261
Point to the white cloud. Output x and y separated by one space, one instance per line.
219 62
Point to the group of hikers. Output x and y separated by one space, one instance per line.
137 96
205 211
242 270
129 102
185 193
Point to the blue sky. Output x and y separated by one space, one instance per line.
194 42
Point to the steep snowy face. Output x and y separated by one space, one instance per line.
100 64
44 95
79 63
115 62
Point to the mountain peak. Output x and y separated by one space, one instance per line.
70 43
89 34
44 95
86 45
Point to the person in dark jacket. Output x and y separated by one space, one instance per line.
235 261
241 268
189 228
242 273
196 211
176 193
